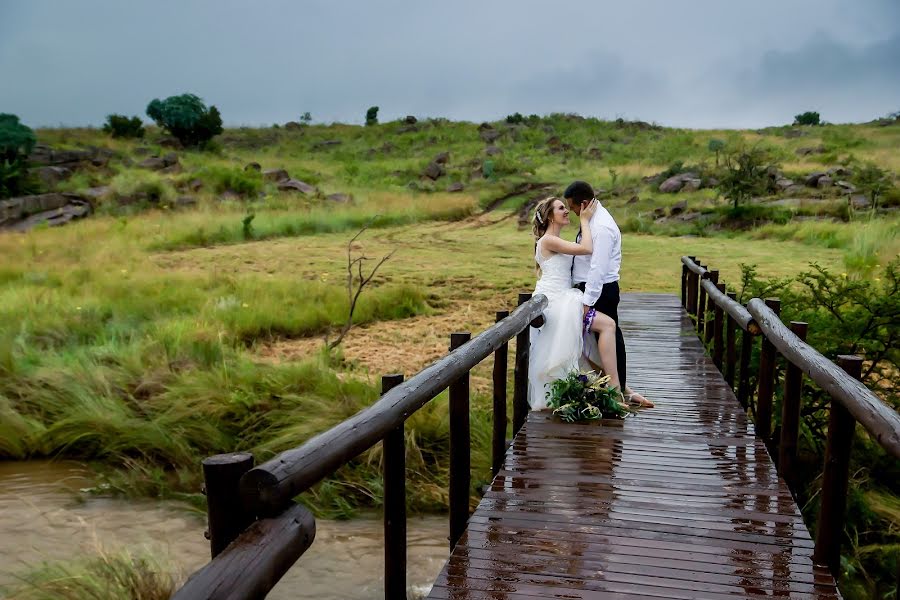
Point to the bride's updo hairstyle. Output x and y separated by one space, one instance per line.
543 214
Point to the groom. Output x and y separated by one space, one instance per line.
597 274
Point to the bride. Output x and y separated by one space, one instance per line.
565 339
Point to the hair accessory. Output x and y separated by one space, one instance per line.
537 217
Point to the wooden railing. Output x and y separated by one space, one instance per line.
702 294
257 532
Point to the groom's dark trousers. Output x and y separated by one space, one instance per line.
608 304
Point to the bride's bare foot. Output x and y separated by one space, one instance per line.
637 399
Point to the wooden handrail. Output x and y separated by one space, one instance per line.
882 423
694 267
740 315
268 488
254 562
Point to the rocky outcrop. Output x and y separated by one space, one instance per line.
677 182
340 198
455 187
297 186
43 155
275 175
433 171
443 158
158 163
25 212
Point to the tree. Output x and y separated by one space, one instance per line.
874 182
120 126
745 174
808 118
306 118
716 146
16 143
372 116
187 118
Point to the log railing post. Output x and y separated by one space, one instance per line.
227 517
693 291
730 355
394 472
701 305
841 426
790 414
718 327
684 278
460 452
710 309
766 384
498 442
744 380
520 377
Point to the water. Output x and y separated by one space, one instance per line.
43 518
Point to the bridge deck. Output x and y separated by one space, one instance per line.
681 501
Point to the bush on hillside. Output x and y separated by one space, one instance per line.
372 116
745 173
120 126
716 146
808 118
515 119
187 118
874 182
16 142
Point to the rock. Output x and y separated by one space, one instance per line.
95 193
824 181
712 182
170 142
839 172
141 151
691 184
195 185
783 183
678 208
813 178
672 184
688 217
254 166
485 126
298 186
493 151
633 200
156 163
806 151
340 198
794 189
595 153
276 175
860 201
659 211
455 187
443 158
76 209
185 201
18 209
489 136
293 126
433 171
326 144
172 169
846 186
43 155
50 176
410 120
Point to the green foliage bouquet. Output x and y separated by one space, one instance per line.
585 396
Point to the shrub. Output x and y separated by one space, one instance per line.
120 126
187 118
224 179
515 119
372 116
745 174
16 142
808 118
716 146
306 118
873 181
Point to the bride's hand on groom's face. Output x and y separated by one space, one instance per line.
589 209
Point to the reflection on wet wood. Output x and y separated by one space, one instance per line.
682 501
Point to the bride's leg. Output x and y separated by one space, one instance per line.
606 344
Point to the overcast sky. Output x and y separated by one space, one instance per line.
689 63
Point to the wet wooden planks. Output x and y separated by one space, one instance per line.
679 502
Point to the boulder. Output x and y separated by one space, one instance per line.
95 193
410 120
50 176
254 166
340 198
43 155
172 169
846 186
691 184
443 158
489 136
297 186
794 189
808 150
195 185
678 208
433 171
156 163
276 175
293 126
824 181
783 183
839 172
860 201
672 184
659 211
13 210
813 178
485 126
493 151
455 187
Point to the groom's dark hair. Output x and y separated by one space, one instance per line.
579 191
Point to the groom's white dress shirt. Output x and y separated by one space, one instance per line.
602 265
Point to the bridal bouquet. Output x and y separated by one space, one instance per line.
585 396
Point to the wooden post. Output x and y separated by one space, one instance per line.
790 414
684 278
693 282
520 377
701 306
841 426
766 387
710 309
394 471
498 444
718 326
744 381
730 355
226 514
460 454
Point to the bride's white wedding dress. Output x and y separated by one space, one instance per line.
557 346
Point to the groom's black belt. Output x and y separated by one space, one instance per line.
608 288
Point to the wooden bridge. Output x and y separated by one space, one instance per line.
683 501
